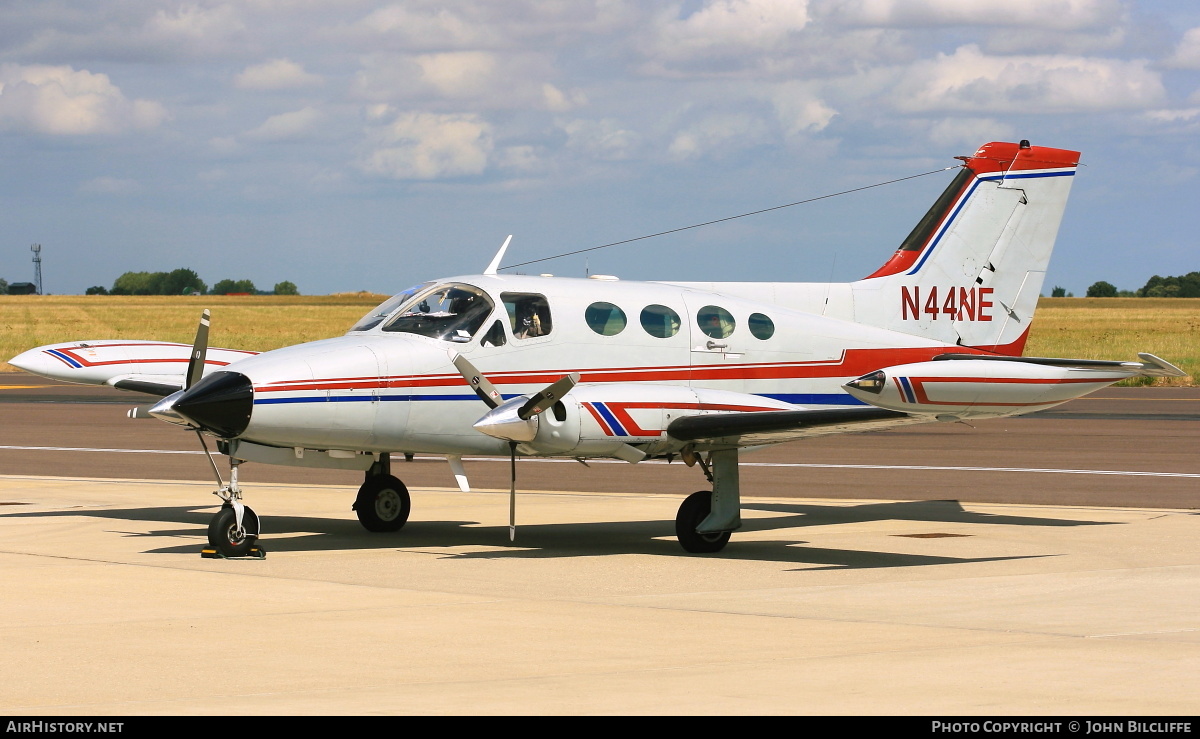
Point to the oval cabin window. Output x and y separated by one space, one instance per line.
761 327
715 321
660 321
605 319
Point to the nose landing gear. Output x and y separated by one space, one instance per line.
234 531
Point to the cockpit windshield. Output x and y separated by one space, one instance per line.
451 312
384 309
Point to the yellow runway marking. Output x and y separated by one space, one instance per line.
24 387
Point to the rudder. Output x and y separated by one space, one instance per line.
971 271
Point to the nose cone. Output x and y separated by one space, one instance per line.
38 362
220 403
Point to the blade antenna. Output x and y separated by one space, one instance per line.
495 265
512 491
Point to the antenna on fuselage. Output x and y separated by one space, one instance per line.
495 265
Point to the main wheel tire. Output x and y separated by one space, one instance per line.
694 509
383 504
224 535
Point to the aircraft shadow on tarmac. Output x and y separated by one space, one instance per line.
313 534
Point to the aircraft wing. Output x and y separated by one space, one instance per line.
153 367
772 427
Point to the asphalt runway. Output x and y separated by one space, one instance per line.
1044 566
1121 447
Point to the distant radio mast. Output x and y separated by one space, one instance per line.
37 266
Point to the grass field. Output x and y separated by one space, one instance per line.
1086 328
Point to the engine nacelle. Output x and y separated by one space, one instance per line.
603 420
979 388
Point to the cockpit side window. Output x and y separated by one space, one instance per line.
384 309
528 314
495 335
452 312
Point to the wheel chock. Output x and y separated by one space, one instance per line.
255 552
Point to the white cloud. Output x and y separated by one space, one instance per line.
1173 116
603 139
1056 14
969 80
286 126
62 101
422 28
456 80
1046 40
739 23
519 158
459 73
1187 54
558 101
193 28
276 74
969 132
425 146
717 135
799 111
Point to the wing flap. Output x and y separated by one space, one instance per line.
769 427
160 385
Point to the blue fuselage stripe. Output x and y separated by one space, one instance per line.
612 421
64 358
795 398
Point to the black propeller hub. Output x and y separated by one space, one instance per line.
220 403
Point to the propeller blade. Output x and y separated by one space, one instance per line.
199 350
486 391
548 397
512 491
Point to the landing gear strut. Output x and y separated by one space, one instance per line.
706 519
383 503
235 528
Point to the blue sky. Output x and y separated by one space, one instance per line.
357 145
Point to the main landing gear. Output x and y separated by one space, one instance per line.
383 503
706 519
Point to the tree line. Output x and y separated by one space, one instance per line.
1182 286
184 282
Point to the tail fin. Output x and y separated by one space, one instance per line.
971 271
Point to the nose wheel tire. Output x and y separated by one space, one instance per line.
227 537
694 509
383 504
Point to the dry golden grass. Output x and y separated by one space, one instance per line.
1119 328
258 322
1086 328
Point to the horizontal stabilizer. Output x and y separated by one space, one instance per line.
1150 366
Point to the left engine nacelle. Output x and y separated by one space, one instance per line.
600 420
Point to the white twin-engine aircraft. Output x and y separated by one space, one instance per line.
513 365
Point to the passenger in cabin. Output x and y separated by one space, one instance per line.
530 323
